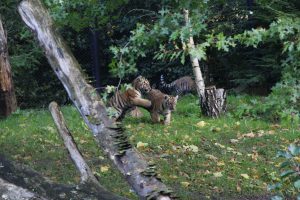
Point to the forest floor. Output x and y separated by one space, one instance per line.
198 157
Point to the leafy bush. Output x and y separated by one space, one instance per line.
288 185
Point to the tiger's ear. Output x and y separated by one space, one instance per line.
176 97
166 97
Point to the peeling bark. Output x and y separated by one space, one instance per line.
139 174
8 102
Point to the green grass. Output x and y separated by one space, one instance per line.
194 160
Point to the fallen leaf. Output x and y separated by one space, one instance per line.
141 145
219 145
260 131
104 168
271 132
101 157
173 176
217 174
128 126
233 141
192 148
216 129
247 135
245 176
201 124
185 184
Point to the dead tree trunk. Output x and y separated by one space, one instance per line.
111 138
8 102
212 101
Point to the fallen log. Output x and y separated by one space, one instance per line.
86 173
138 173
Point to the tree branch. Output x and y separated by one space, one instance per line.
85 172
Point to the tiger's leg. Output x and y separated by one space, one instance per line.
167 119
144 103
155 117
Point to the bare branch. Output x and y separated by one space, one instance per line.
85 172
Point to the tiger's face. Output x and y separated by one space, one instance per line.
170 102
142 84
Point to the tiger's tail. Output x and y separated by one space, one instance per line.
169 88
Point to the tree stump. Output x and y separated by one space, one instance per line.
214 103
8 102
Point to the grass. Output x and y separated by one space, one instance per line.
198 157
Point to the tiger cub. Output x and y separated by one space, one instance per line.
123 102
179 87
161 104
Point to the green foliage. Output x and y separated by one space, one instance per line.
80 15
35 83
288 185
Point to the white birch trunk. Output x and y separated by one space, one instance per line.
200 86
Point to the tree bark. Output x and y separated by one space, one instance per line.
212 100
28 184
215 102
8 102
139 174
200 86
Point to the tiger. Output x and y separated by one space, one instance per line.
161 104
178 87
123 102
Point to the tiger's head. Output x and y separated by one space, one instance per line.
170 102
141 84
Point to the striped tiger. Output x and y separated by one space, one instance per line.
123 102
178 87
161 104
